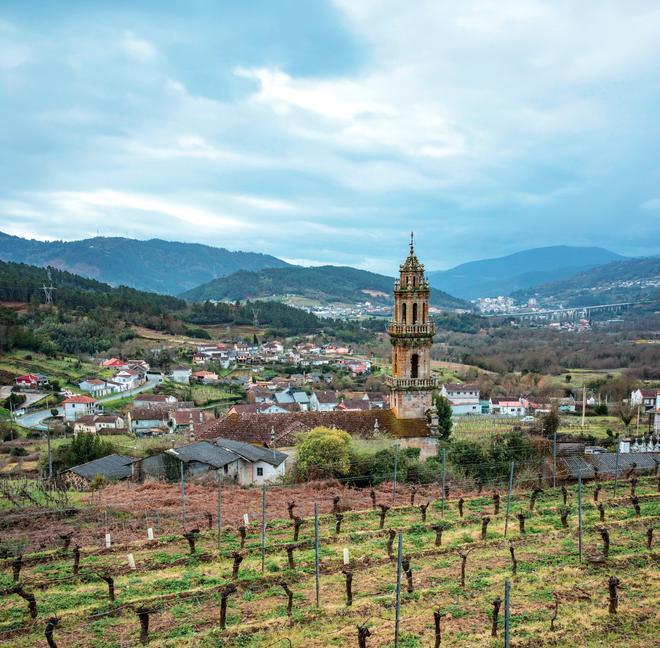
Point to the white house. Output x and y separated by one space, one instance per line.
77 406
128 379
181 375
646 398
463 398
506 407
323 401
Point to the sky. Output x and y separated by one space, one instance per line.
325 131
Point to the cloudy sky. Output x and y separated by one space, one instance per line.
323 132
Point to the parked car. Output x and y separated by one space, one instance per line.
527 419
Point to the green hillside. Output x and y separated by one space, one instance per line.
323 284
89 316
622 281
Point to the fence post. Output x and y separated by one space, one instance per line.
219 507
554 458
444 481
616 466
508 500
183 496
396 462
316 552
399 557
507 602
263 526
580 517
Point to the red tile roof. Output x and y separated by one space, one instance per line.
256 428
79 399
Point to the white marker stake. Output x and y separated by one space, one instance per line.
131 561
246 519
108 541
150 533
346 558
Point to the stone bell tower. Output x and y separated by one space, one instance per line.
411 334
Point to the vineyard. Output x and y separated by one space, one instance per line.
250 585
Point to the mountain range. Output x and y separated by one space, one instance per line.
320 284
200 272
507 274
155 265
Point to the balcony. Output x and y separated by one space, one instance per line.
411 330
411 383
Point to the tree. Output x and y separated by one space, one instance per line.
81 449
443 408
626 413
550 424
324 452
568 378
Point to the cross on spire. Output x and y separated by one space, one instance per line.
412 246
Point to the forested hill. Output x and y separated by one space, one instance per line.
89 316
322 284
622 281
20 282
155 265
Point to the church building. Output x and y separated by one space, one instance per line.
411 334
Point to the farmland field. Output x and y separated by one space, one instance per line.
181 590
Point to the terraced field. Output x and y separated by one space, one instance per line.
181 591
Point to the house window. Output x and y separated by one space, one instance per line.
226 469
260 472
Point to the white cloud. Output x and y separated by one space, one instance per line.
138 48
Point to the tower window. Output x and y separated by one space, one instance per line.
404 314
414 366
414 313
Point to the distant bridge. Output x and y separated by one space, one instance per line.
569 314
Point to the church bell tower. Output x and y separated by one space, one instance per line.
411 334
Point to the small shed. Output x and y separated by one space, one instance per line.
113 467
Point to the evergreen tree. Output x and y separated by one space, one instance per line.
443 408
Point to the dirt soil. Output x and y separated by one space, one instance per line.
127 510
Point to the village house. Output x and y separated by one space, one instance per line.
204 377
566 404
463 398
114 363
96 423
236 461
323 401
181 375
98 387
77 406
147 421
645 399
354 405
506 407
187 420
128 379
32 381
153 400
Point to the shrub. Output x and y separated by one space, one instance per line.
324 452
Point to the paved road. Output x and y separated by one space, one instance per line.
33 420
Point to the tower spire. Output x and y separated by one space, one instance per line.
412 244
